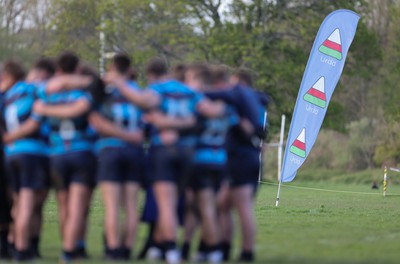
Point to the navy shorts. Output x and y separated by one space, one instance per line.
244 167
206 177
76 167
27 171
171 164
120 164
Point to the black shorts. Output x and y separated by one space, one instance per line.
244 167
76 167
171 164
120 164
27 171
5 201
204 177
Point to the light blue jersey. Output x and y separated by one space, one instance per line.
70 134
211 149
177 100
122 113
18 102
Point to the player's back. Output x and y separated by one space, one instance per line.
69 134
18 103
118 110
177 100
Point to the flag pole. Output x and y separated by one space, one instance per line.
280 150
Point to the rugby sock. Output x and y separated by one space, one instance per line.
169 245
68 255
114 254
226 250
125 253
35 246
80 249
247 256
3 243
202 247
23 255
185 250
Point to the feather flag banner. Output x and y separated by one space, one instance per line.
322 73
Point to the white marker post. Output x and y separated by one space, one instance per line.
384 181
280 150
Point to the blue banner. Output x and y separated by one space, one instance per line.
323 70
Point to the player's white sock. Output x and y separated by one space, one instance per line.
173 256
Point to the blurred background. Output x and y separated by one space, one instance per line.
273 38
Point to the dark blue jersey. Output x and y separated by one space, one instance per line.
177 100
122 113
211 148
18 102
70 134
248 105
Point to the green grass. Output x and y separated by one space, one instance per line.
310 226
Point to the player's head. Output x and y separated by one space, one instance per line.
43 69
12 73
97 86
121 63
67 63
156 69
198 76
178 72
242 76
220 76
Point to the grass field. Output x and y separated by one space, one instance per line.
310 226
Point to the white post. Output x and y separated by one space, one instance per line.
261 150
280 151
278 195
102 38
280 148
384 181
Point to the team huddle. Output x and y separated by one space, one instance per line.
191 140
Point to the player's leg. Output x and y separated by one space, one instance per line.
166 193
133 158
82 178
190 223
75 216
130 200
31 178
41 193
243 184
111 193
60 178
166 197
37 218
24 212
109 180
225 219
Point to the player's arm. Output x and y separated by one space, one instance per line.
163 121
62 111
211 109
107 128
145 99
67 82
24 130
